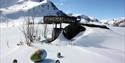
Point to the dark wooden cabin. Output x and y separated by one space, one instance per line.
58 20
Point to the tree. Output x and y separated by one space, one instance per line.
29 31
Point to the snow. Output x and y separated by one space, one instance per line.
22 9
115 22
95 45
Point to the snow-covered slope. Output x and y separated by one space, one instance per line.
23 8
95 45
115 22
85 18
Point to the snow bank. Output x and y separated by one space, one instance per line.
95 45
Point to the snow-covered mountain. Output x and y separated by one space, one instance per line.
84 18
16 9
119 22
115 22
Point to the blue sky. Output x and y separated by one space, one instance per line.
101 9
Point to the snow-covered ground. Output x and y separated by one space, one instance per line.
95 45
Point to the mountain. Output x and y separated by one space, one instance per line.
87 19
115 22
21 8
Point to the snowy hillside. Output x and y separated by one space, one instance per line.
95 45
85 18
119 22
115 22
17 9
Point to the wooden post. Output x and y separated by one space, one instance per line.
45 31
60 25
55 25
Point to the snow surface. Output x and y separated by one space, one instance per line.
95 45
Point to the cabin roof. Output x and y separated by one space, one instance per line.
59 19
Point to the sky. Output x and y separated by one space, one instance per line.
101 9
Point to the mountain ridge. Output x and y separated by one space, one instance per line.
24 8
